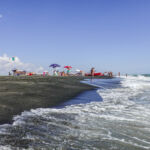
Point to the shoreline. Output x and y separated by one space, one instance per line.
18 94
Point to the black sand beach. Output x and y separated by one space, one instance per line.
18 94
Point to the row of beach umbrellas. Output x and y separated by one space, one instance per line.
57 65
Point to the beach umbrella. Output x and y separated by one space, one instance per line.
54 65
68 67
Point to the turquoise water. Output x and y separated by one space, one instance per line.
145 75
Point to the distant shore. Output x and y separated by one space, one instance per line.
18 94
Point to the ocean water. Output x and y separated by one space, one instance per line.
114 117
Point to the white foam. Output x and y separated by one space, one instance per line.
119 114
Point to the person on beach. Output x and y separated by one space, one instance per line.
63 73
82 73
68 72
119 74
58 73
110 74
54 73
92 73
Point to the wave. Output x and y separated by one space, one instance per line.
120 121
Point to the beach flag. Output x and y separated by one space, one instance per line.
12 58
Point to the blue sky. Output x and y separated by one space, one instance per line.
107 34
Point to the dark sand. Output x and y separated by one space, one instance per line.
18 94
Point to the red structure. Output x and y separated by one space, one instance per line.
95 74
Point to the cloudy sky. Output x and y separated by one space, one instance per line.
7 64
111 35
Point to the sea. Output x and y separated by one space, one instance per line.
114 116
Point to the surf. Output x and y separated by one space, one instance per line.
119 121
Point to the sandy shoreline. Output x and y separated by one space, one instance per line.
18 94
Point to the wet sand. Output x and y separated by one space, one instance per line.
18 94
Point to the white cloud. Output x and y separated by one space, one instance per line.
6 65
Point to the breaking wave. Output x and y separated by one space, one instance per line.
121 121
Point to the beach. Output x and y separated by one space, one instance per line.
18 94
113 116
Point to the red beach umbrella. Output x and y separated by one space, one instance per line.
68 67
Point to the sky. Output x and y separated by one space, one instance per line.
110 35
